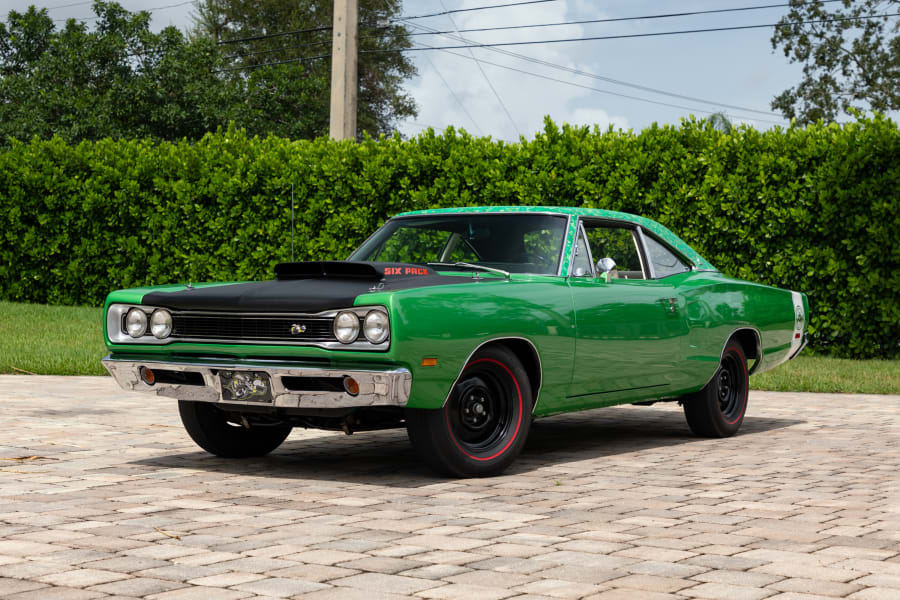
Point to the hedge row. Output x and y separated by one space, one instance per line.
812 209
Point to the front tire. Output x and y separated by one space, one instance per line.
718 409
210 428
482 427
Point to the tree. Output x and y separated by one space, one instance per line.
720 122
117 80
850 62
381 99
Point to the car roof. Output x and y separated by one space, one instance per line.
658 230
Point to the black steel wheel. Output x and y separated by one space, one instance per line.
719 408
211 429
484 423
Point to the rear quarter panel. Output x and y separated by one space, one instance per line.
718 305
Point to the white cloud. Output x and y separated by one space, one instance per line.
598 117
527 98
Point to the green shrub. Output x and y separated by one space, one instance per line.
812 209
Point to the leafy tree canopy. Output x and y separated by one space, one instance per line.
850 62
381 74
119 79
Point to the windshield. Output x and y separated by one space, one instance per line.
518 243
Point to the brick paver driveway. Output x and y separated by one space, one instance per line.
116 501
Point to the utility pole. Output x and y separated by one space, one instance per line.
344 80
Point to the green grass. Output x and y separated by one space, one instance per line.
838 375
51 340
68 340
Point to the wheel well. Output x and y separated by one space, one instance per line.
528 356
750 344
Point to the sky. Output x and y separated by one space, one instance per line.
737 68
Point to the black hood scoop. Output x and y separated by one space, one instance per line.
304 287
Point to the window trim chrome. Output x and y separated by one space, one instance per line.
562 251
579 232
644 256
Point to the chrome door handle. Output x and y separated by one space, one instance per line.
670 304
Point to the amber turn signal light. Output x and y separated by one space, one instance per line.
148 376
429 362
351 386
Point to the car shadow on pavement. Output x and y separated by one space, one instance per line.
387 458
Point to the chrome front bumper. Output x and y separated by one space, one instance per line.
376 388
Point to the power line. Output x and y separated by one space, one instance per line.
274 35
279 62
487 80
602 91
150 10
601 77
630 35
561 23
69 5
459 10
455 97
473 44
422 125
617 19
282 49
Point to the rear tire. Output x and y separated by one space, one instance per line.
209 427
718 409
484 424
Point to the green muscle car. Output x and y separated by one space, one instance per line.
461 325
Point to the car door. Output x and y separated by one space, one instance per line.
630 329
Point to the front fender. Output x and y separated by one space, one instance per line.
449 323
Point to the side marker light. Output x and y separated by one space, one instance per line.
148 376
351 386
429 362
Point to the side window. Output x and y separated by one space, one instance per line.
581 264
664 262
617 243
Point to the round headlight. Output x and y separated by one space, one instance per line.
376 327
346 327
161 323
136 322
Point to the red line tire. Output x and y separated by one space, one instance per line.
210 428
718 409
484 424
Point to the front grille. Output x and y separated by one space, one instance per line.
232 327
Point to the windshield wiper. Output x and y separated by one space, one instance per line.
464 265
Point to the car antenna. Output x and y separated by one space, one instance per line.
292 222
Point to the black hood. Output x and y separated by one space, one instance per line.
304 287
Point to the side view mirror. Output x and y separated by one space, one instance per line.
606 266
